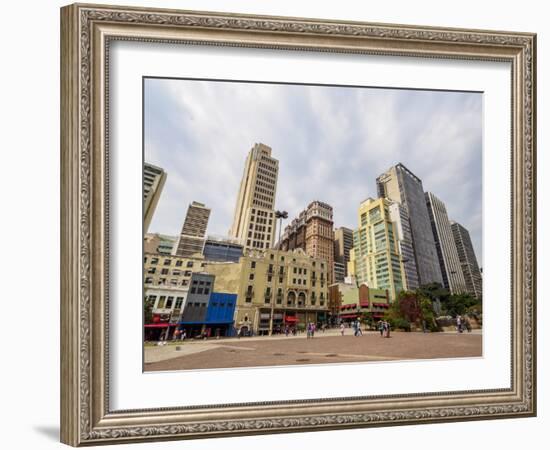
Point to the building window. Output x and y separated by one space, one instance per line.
251 276
151 270
185 282
193 290
189 264
179 263
253 264
167 262
199 290
164 271
154 260
169 302
148 280
162 300
179 302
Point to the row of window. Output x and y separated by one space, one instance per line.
165 302
154 260
162 281
175 272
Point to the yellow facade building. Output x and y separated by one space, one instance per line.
375 258
275 289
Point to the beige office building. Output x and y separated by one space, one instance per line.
254 219
153 181
275 289
163 270
193 233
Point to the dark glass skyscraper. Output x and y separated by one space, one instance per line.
400 185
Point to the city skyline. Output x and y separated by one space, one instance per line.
307 127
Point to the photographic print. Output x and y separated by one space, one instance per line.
294 224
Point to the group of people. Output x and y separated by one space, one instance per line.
355 325
310 330
384 328
462 324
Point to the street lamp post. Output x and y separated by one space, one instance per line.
278 215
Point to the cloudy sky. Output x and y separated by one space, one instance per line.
331 143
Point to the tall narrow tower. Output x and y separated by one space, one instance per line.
153 181
400 185
254 220
193 232
343 243
453 279
468 260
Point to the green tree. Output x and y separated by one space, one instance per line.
148 311
460 304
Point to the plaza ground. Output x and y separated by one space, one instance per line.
323 348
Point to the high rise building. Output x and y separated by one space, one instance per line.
153 181
340 270
400 185
254 220
400 218
468 260
312 232
453 279
343 243
375 259
193 232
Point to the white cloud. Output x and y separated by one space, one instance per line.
331 143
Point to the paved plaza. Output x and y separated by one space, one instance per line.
322 349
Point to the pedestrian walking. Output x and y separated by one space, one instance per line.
381 327
458 324
342 328
313 326
183 335
468 325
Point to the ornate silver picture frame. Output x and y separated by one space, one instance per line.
87 32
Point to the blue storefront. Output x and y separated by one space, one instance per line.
218 320
219 314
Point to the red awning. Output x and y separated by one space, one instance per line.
348 316
158 325
291 319
378 315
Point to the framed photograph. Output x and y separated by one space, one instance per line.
276 224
